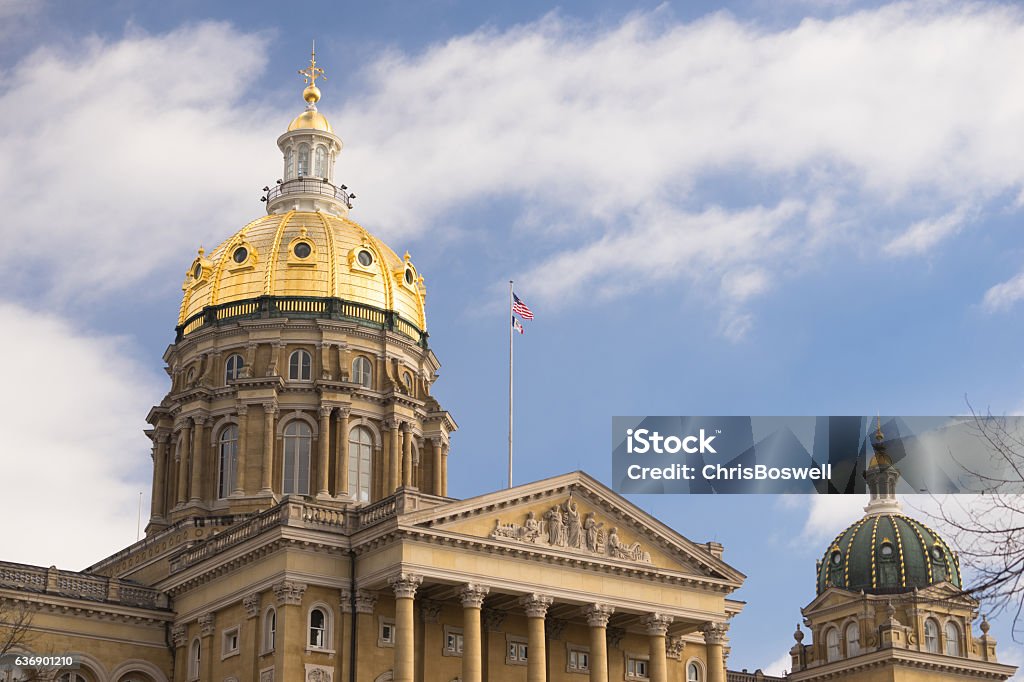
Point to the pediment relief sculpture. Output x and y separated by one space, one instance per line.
563 526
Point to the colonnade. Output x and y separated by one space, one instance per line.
536 606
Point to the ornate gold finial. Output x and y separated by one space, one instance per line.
879 436
309 75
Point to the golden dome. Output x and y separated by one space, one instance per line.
303 254
310 119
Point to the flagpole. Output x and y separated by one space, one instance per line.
510 330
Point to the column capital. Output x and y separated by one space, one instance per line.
206 625
289 592
242 410
405 427
365 601
271 408
714 633
536 605
344 412
598 614
656 623
674 648
163 436
390 423
405 585
472 595
179 633
252 605
430 610
200 419
325 410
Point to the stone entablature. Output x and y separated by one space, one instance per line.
75 585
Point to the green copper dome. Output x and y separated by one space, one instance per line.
885 553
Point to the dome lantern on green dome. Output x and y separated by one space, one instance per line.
886 551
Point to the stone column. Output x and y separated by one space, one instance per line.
536 606
714 638
325 449
198 452
250 360
444 469
183 456
160 439
252 630
290 621
435 464
206 629
267 466
362 620
240 459
597 618
407 455
341 483
179 634
657 627
472 596
396 462
404 585
385 460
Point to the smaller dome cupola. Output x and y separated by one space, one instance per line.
881 477
310 149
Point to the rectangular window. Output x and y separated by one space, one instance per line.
452 641
386 633
636 668
229 642
577 659
516 651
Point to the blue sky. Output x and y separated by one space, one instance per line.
806 207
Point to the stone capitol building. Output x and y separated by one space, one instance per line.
301 530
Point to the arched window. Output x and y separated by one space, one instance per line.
233 367
692 672
289 164
297 441
300 366
852 639
952 639
194 656
832 644
361 372
303 160
228 450
269 630
320 162
931 636
360 449
319 634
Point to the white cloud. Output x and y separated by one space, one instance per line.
125 156
1004 295
925 234
779 666
72 425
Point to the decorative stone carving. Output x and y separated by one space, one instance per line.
493 619
553 628
472 595
714 633
614 636
179 633
598 614
289 592
656 623
562 526
405 585
365 601
674 647
252 605
317 673
206 625
430 610
267 675
536 605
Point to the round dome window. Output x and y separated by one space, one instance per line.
837 557
886 550
365 258
240 254
937 553
408 275
197 271
302 250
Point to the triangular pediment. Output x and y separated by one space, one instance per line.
575 515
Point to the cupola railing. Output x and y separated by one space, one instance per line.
315 186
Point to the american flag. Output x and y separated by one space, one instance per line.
520 309
517 325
